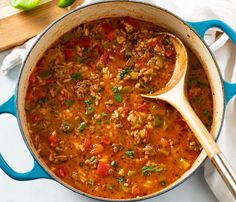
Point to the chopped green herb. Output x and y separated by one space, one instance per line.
151 50
80 59
66 127
104 114
128 54
99 122
82 126
113 163
115 89
85 51
124 72
166 40
92 158
163 183
68 103
94 98
108 122
45 74
120 179
130 153
118 97
100 90
83 60
75 76
42 100
90 110
143 50
148 169
88 102
90 183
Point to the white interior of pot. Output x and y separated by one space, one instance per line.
143 12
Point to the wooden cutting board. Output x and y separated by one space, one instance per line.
18 26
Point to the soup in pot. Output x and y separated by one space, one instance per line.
88 121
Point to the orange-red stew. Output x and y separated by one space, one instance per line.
89 123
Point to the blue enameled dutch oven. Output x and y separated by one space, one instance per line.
191 33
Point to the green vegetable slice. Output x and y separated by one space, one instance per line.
130 153
65 3
118 97
25 4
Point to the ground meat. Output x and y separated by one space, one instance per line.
82 88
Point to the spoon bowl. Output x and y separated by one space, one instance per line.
175 94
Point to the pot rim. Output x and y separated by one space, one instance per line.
35 157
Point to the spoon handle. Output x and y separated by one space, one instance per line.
225 171
208 143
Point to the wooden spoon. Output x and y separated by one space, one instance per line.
175 94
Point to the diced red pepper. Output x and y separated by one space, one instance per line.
111 35
104 140
102 169
29 95
69 54
53 139
39 93
106 27
32 78
34 117
84 42
100 49
105 58
70 44
169 53
135 190
152 43
41 63
126 108
143 107
87 143
132 21
61 172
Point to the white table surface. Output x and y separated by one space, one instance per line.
13 148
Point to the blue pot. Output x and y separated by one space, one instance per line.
191 33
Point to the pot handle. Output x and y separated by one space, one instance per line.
37 171
201 28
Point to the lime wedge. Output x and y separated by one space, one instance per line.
65 3
25 4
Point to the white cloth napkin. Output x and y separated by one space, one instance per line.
225 53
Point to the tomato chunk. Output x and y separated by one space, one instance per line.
143 107
84 42
61 172
69 54
111 35
104 140
70 44
53 139
106 27
105 58
87 143
102 169
132 21
100 49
